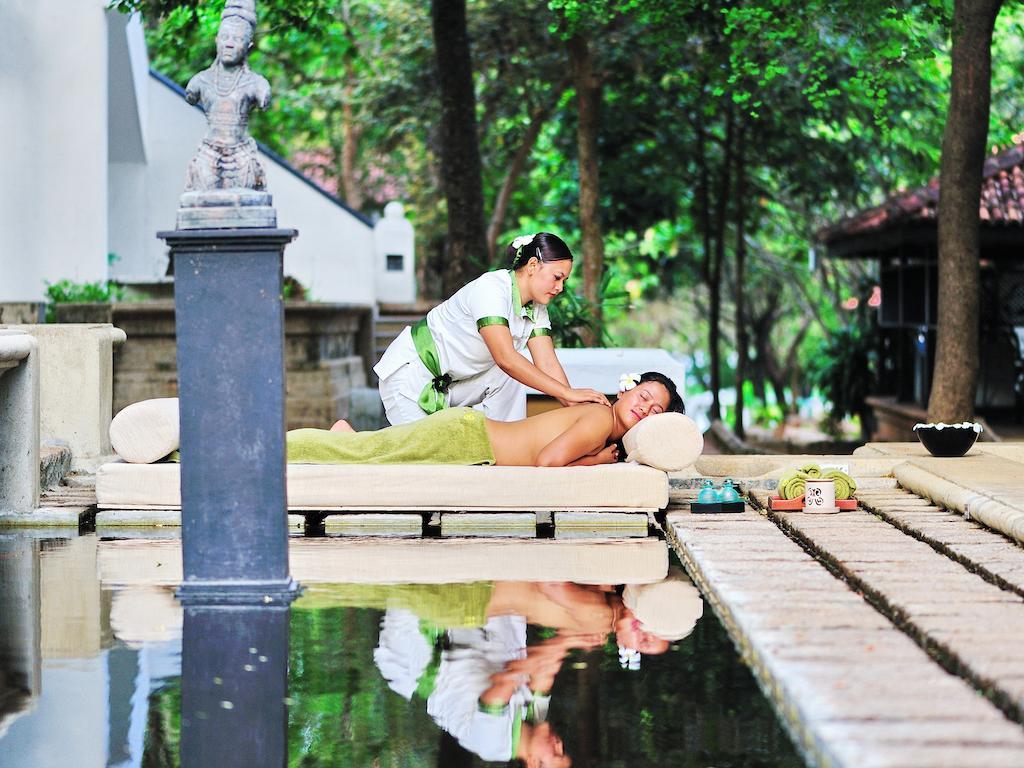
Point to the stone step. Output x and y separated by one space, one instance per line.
54 465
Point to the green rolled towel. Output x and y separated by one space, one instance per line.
811 471
792 484
845 485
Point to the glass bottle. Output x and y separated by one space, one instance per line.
728 493
707 493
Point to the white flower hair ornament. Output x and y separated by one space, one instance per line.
522 240
628 381
629 658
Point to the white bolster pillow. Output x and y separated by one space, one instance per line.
145 432
665 441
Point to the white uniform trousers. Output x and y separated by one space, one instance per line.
494 392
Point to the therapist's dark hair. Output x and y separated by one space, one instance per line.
544 246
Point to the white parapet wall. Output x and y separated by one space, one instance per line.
54 134
19 422
76 379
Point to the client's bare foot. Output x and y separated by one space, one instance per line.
342 426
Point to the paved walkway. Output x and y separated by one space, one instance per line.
987 553
971 625
851 687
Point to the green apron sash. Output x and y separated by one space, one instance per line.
431 398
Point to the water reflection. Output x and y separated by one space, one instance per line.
20 655
463 650
95 649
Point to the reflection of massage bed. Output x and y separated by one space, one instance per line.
390 488
129 562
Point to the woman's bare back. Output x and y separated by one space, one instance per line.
519 443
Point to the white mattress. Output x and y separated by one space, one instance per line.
415 561
379 487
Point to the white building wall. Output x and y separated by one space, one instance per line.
93 154
53 144
333 255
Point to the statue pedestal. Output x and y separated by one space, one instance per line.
229 319
226 208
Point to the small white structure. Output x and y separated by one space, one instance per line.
600 368
95 152
395 267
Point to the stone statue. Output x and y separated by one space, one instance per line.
226 182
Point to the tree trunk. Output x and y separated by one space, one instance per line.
350 145
537 120
466 249
715 283
588 98
963 155
742 337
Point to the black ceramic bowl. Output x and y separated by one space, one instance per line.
948 440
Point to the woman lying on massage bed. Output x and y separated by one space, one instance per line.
566 437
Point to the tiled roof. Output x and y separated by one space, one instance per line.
1001 203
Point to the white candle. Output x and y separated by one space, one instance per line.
820 496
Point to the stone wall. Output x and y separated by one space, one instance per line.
328 352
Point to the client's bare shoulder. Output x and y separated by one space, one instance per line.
520 442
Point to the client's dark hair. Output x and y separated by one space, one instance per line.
675 401
544 246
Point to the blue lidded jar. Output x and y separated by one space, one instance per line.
728 493
707 494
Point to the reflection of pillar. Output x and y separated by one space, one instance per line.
233 686
229 319
19 624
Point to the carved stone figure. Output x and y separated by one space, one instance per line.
226 170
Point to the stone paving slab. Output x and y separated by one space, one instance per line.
851 688
979 549
986 488
915 588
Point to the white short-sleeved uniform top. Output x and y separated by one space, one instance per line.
491 299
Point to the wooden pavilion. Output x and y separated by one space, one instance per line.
901 236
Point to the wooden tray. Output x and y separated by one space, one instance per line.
797 504
718 508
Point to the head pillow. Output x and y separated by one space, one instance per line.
666 441
147 431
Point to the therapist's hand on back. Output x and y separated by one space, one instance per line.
577 396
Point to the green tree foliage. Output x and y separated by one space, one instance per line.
789 115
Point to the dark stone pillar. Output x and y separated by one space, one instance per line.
230 347
234 682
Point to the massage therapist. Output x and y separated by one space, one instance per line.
468 350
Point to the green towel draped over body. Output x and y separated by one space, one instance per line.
450 436
446 606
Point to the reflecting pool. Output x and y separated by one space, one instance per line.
452 666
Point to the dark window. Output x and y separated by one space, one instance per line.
914 294
890 309
395 262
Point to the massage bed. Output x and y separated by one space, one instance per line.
145 432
